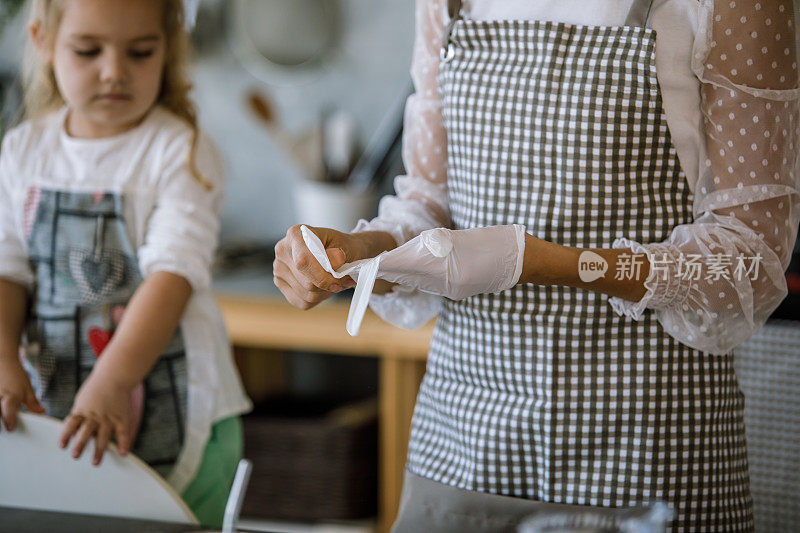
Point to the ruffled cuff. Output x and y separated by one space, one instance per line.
665 288
519 232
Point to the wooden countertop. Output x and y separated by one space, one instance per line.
268 320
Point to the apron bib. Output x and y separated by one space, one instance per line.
544 393
86 272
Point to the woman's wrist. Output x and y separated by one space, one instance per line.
547 263
373 243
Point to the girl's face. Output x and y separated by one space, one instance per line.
108 59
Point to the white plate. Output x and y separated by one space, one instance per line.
37 474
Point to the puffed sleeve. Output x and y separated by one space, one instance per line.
183 228
747 198
420 200
14 264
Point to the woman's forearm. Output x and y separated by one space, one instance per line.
546 263
376 242
148 325
13 304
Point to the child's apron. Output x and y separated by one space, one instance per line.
86 272
543 392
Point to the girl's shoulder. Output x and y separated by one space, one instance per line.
174 133
171 126
31 134
174 141
168 123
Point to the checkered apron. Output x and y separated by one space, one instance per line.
86 272
543 392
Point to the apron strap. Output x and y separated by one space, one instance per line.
453 7
639 15
453 13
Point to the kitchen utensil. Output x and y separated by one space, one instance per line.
305 149
383 149
331 205
340 143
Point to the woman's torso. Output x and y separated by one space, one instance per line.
543 392
676 23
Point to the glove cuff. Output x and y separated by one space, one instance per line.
519 256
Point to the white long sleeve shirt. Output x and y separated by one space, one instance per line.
728 76
173 222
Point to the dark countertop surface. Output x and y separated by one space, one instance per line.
14 520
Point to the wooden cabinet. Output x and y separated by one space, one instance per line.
269 322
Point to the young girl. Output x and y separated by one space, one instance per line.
109 205
657 133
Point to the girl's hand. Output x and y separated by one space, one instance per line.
15 390
102 410
303 281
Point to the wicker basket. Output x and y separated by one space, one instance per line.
313 458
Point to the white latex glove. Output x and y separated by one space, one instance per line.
451 263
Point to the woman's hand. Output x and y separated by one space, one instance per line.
15 390
458 264
102 410
303 281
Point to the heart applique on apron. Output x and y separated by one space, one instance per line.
96 279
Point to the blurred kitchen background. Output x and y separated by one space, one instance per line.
304 99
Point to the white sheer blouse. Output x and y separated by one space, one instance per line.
728 75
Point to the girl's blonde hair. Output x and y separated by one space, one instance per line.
41 94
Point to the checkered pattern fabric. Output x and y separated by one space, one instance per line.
543 392
768 366
85 270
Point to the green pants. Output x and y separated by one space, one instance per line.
207 493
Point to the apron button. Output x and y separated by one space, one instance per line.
447 54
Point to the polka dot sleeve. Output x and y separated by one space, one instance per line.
714 282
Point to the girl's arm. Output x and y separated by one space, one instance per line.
13 301
15 279
149 323
102 404
15 387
